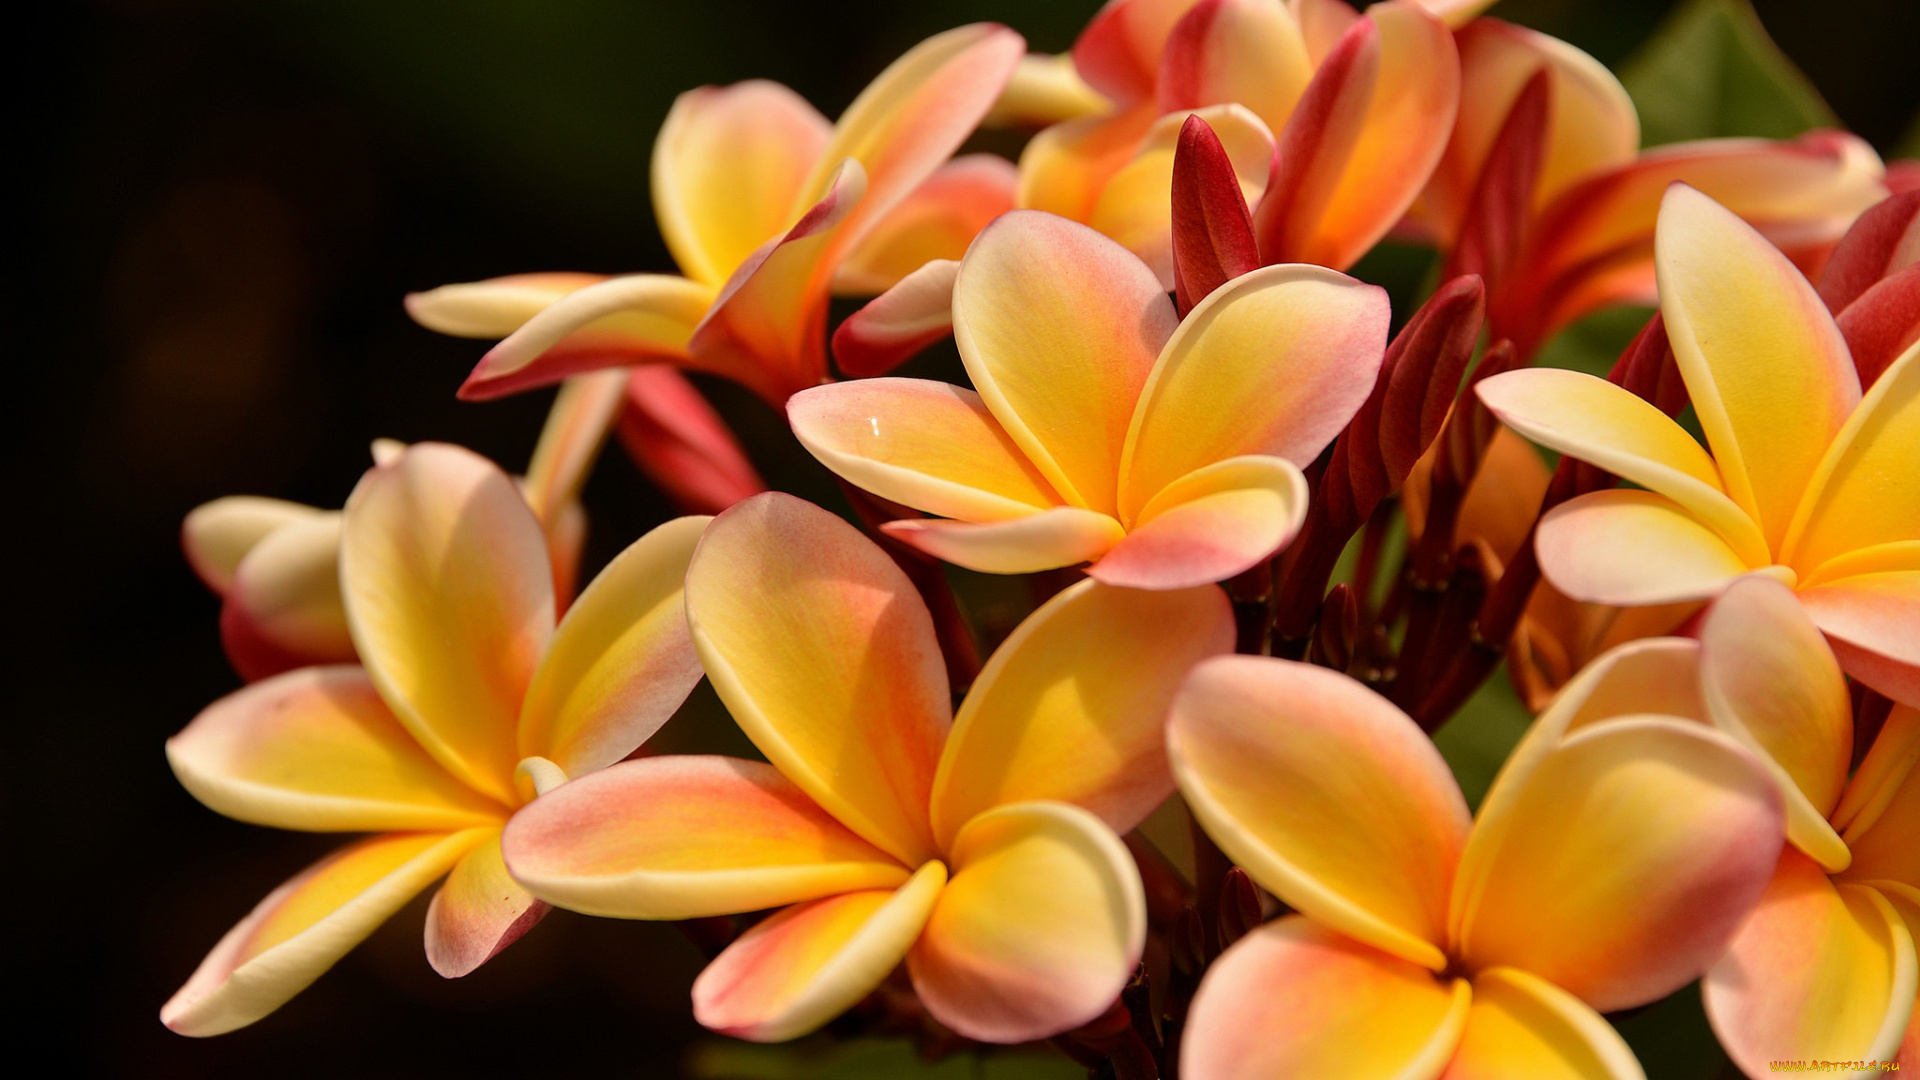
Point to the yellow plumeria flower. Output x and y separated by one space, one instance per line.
981 848
1803 476
1611 862
470 701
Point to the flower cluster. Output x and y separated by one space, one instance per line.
1270 545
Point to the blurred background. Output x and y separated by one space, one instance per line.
225 203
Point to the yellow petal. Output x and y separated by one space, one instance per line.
1895 752
1765 366
582 414
1864 492
1072 707
217 535
1248 52
1209 525
787 976
1622 867
728 166
825 654
1816 972
493 308
1327 794
1065 169
1771 682
285 595
1044 90
936 221
1058 327
1041 925
1275 363
920 443
1295 998
621 661
478 911
636 318
680 837
1050 539
317 749
1886 846
305 925
1521 1025
450 598
1598 422
1628 548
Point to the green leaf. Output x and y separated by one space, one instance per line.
1711 70
1477 739
1593 343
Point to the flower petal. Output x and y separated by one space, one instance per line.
1275 363
1209 525
1295 998
316 749
1765 366
1817 971
1864 492
1058 327
1879 244
898 323
216 536
1884 323
284 601
638 318
1771 682
493 308
1886 839
728 166
1622 867
1119 52
1061 536
1276 759
936 221
805 965
1873 623
1895 752
1606 425
1040 926
570 441
450 598
1628 548
1522 1025
1072 707
680 837
1246 52
307 924
478 911
920 443
621 661
676 438
825 654
1065 168
1045 89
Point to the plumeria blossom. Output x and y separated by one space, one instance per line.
1802 477
1611 862
980 848
764 205
1825 967
1543 189
469 701
1166 452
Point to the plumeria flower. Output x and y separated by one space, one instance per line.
1544 192
1611 862
469 703
981 847
764 205
1825 967
1803 477
1166 452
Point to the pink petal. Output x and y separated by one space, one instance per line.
913 314
1628 548
478 911
1048 540
675 437
1215 522
935 222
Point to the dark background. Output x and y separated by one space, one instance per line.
224 203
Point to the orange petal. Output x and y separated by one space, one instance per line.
638 318
792 973
936 221
577 425
1863 492
1246 52
1873 623
1066 168
728 166
1886 837
1072 707
1209 525
307 924
825 654
450 598
1274 363
478 911
1771 682
283 607
1624 863
621 661
1061 536
1628 548
1522 1025
923 444
1119 52
1274 758
1044 90
216 536
900 322
1058 327
1895 752
493 308
1040 926
679 837
1816 972
1297 999
1765 366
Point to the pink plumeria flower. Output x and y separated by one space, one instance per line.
470 702
980 848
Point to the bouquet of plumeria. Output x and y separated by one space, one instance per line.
1181 812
